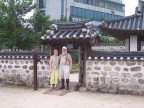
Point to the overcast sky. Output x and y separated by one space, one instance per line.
130 6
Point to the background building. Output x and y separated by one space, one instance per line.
82 9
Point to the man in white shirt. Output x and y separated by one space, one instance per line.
65 67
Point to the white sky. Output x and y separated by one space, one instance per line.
29 15
130 6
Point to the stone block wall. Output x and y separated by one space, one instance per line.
20 71
115 76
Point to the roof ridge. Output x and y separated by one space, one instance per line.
73 22
122 18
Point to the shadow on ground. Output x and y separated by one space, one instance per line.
58 92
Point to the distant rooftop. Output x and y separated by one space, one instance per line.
126 26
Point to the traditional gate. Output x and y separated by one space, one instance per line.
77 35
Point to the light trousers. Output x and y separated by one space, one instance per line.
64 71
54 76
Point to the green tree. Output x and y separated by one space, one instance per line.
63 19
40 23
13 26
70 18
106 39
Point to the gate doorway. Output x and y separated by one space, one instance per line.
75 35
73 50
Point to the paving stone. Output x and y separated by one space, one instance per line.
103 62
97 73
123 91
113 63
107 68
115 79
117 68
102 79
95 85
133 81
130 63
96 79
104 85
94 89
90 63
89 68
125 74
133 92
113 73
138 75
97 68
126 69
125 80
133 86
135 69
104 73
141 81
24 66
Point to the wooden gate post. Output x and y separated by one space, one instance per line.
84 61
35 70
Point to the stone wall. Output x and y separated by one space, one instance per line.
115 76
20 71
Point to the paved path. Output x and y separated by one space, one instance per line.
15 97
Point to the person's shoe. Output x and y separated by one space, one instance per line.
67 81
62 87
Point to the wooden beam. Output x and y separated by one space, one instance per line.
80 67
35 71
84 62
50 50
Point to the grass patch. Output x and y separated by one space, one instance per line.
75 68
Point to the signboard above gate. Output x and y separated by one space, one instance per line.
70 46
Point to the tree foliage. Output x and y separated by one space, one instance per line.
40 23
106 39
70 18
15 31
63 19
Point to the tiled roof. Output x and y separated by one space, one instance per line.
116 55
130 23
134 22
70 31
23 55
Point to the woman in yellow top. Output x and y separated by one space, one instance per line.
54 66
